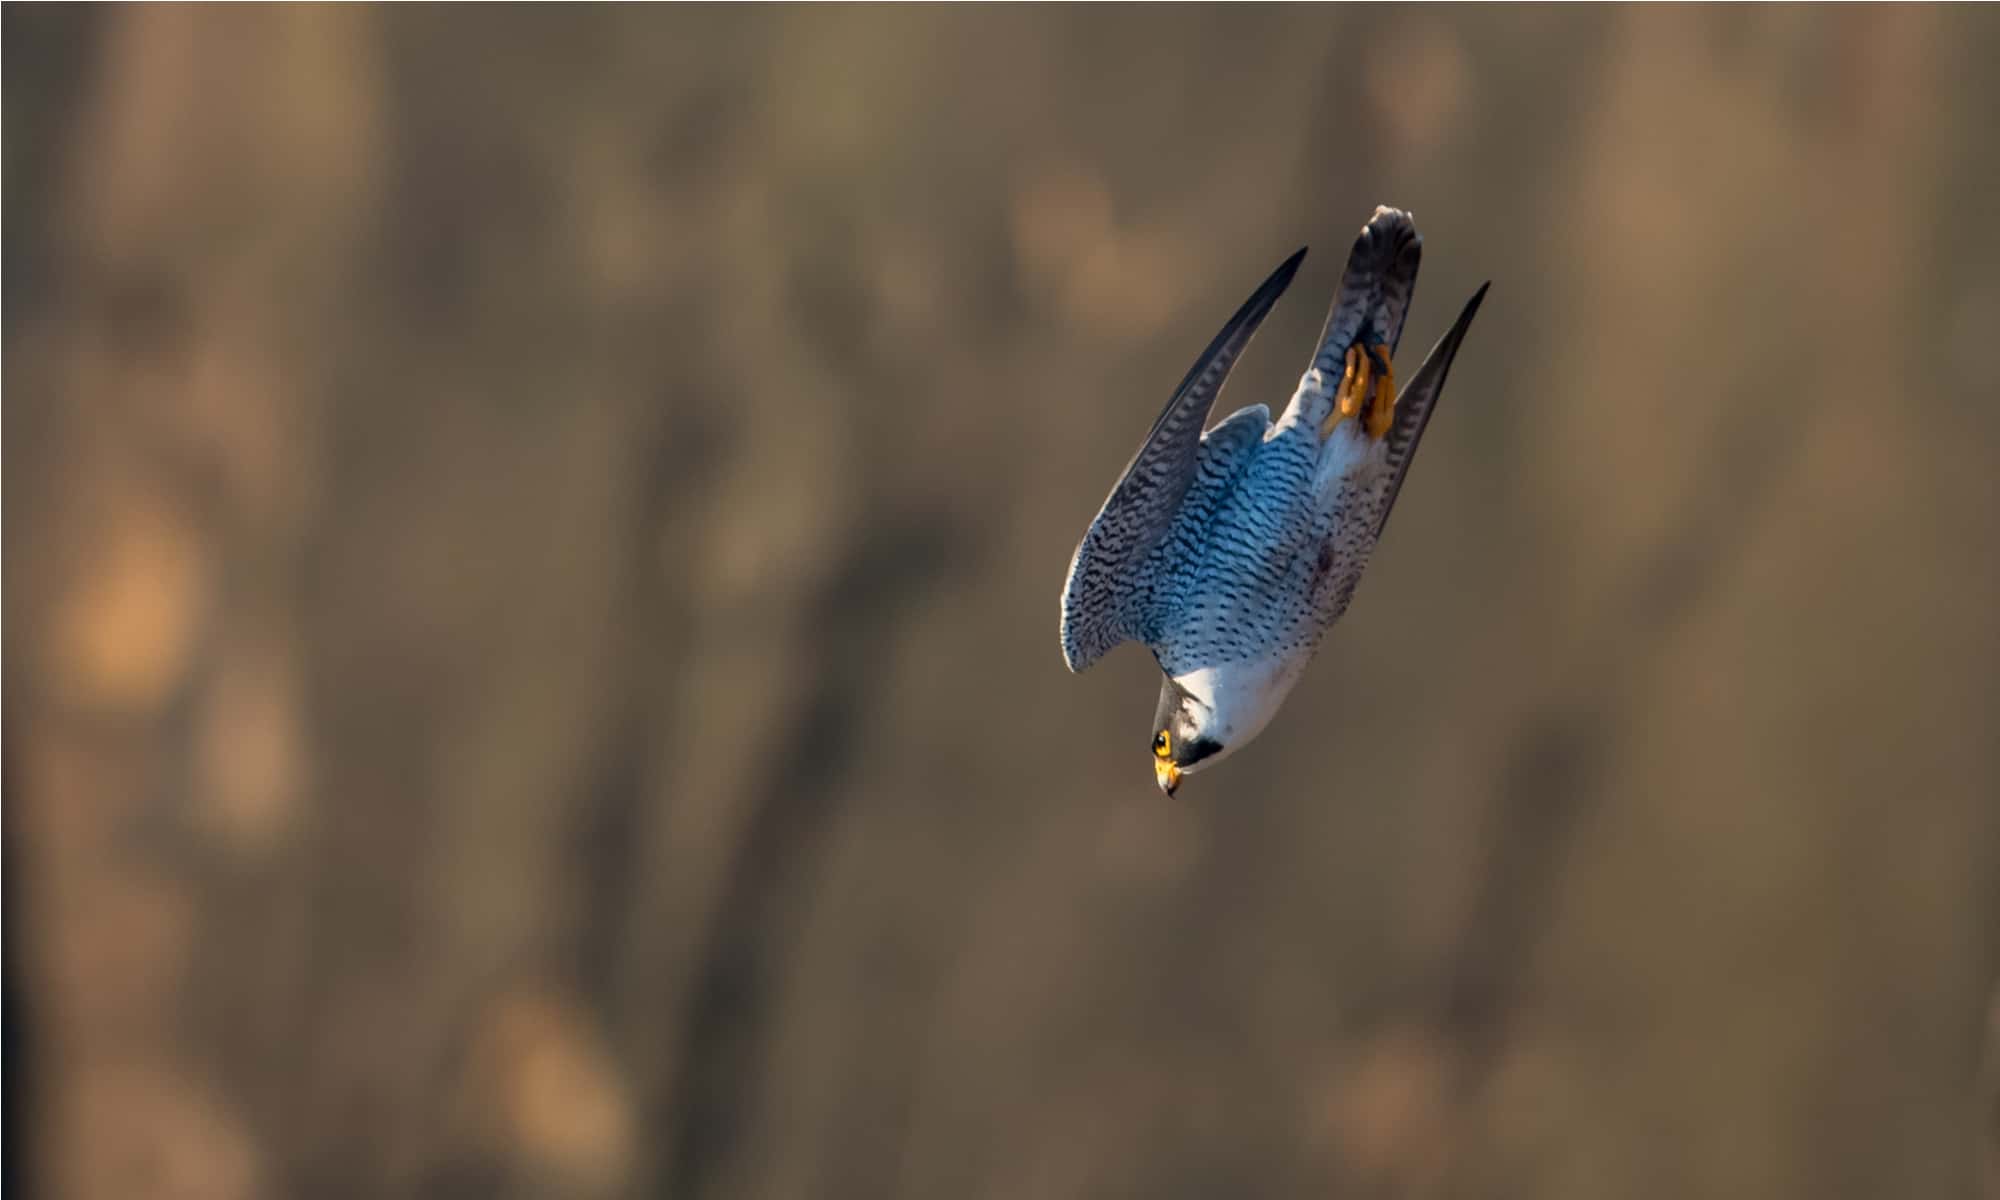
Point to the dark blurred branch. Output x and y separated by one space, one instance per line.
1552 769
771 876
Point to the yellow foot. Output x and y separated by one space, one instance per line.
1362 368
1382 414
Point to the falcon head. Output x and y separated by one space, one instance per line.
1185 735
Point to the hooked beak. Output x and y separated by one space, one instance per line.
1167 775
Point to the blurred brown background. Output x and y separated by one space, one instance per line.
532 546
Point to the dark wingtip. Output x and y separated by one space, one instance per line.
1282 277
1471 308
1266 295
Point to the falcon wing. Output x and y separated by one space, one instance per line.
1104 597
1418 398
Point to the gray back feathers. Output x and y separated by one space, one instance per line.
1105 597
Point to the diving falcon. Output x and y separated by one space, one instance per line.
1230 553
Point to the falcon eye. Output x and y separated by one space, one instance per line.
1160 744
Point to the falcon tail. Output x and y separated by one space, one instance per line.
1375 290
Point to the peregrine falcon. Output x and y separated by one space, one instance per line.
1230 553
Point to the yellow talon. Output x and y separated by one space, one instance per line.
1383 414
1353 389
1352 399
1354 384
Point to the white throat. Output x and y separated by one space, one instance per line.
1235 701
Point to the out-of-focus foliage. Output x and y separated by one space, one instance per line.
533 539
